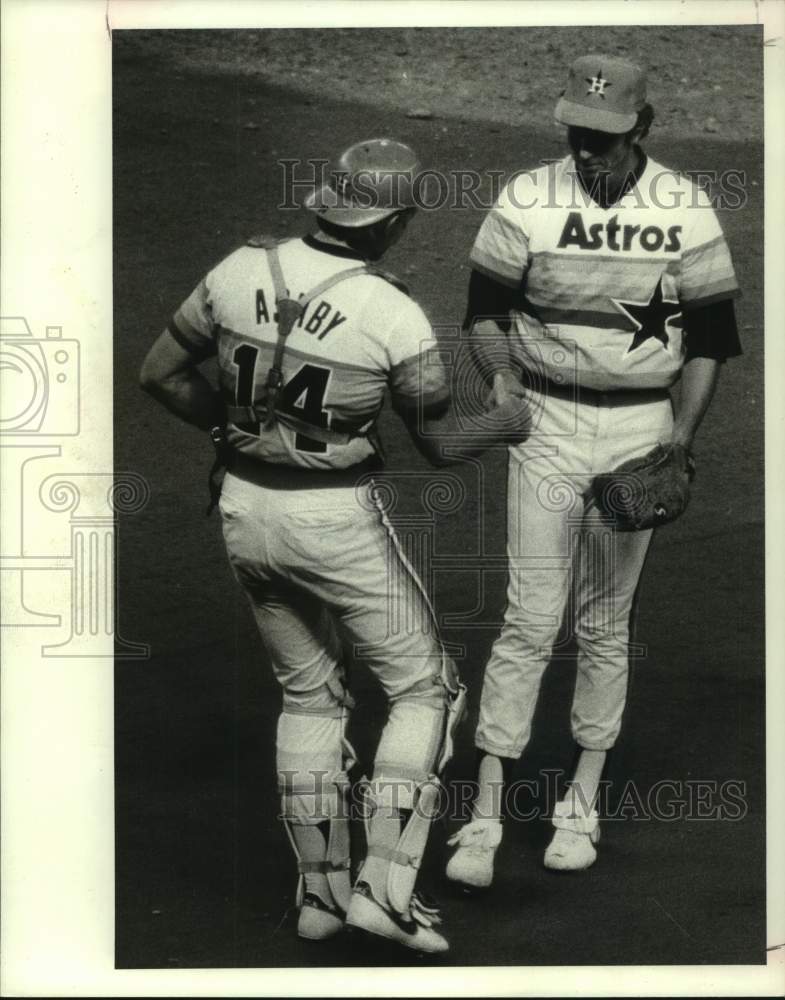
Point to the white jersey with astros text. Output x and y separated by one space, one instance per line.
360 338
602 290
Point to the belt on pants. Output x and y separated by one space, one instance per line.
292 477
595 397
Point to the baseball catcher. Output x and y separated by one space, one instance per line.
309 336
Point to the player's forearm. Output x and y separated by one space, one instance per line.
445 442
490 349
448 440
187 394
487 322
493 358
698 382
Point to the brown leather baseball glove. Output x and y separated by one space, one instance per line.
647 491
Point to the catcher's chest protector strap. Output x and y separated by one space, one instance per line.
289 311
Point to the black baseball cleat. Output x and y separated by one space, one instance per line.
415 931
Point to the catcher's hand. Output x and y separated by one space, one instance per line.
505 386
647 491
223 452
510 421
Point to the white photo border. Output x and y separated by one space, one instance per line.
57 721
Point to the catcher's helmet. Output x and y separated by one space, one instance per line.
369 181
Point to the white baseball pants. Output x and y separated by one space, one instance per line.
320 571
558 546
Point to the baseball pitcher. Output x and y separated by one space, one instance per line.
607 279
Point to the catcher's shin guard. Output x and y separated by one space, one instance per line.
384 902
417 804
315 814
322 904
405 793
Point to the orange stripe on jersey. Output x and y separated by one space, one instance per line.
189 336
612 319
587 260
711 245
419 378
485 265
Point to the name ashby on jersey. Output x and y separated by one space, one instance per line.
313 319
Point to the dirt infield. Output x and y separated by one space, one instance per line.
204 877
700 79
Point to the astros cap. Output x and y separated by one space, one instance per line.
603 93
369 181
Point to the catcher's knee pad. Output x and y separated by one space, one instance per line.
420 730
311 746
312 749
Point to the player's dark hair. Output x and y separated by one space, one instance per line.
643 124
361 238
341 233
349 233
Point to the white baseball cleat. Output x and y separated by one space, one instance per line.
572 848
317 920
415 930
472 863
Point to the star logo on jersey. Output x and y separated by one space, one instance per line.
597 84
650 318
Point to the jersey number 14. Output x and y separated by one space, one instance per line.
301 397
